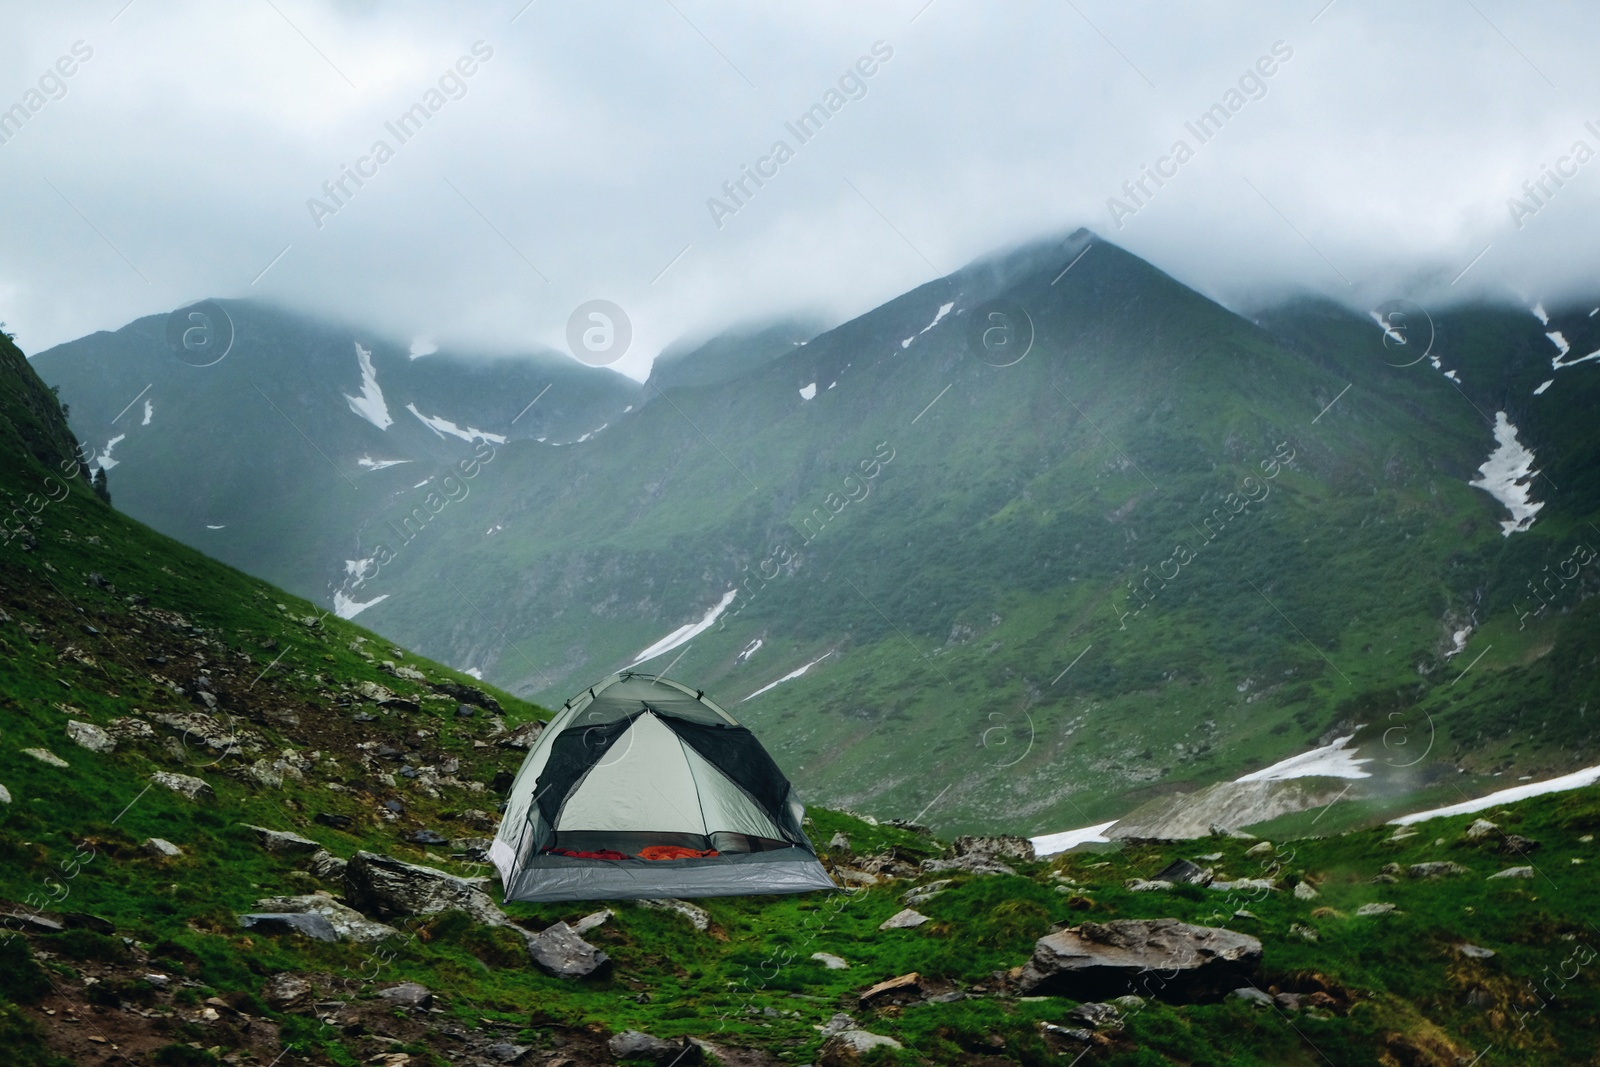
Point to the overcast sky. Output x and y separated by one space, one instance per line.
576 161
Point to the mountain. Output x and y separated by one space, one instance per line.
194 765
278 443
1056 536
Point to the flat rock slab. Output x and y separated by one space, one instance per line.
282 842
184 785
698 916
1165 958
408 995
347 922
90 736
902 920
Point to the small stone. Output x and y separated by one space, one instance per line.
902 920
1479 829
1514 872
636 1045
830 961
504 1052
561 952
1141 885
924 893
5 795
1287 1001
336 822
1096 1016
282 842
1305 891
44 755
1182 872
839 841
284 991
308 923
893 989
1374 909
697 916
1475 952
1305 932
1262 849
592 920
161 847
429 837
158 981
185 785
1251 995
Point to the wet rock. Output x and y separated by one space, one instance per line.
282 842
636 1045
161 848
1094 959
408 995
184 785
307 923
387 888
561 952
903 920
89 736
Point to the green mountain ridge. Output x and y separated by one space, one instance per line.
117 951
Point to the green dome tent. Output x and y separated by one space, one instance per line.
641 787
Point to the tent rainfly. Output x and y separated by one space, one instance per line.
641 787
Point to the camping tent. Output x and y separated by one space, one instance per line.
641 787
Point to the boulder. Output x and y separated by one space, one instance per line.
902 920
326 866
1514 872
848 1046
306 923
88 735
636 1045
1157 957
407 995
1436 869
386 887
161 848
285 991
699 917
561 952
184 785
1096 1016
347 922
1182 872
282 842
523 737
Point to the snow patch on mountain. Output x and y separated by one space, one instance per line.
687 632
791 676
370 404
1050 844
149 412
1507 475
1544 385
749 650
104 460
443 427
368 463
1329 761
346 607
1540 313
809 391
1576 780
422 346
